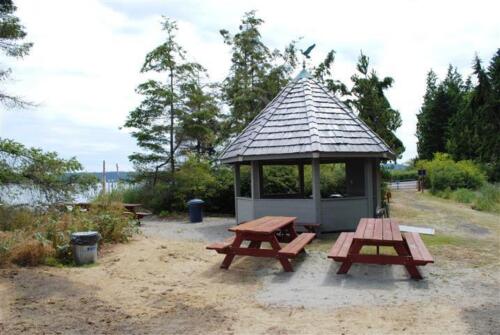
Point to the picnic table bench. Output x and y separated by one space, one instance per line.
411 250
130 209
265 229
133 209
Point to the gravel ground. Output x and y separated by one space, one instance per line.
316 284
212 229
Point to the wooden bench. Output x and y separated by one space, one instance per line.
417 248
340 249
293 248
220 247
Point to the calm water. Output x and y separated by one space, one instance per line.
17 196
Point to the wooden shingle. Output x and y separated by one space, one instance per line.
305 119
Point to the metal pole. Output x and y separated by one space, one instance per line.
103 177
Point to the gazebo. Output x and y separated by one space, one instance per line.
305 126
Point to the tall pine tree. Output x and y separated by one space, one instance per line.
257 74
158 121
373 106
441 103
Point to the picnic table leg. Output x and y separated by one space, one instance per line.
285 263
346 265
230 255
410 267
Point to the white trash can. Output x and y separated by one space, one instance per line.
84 245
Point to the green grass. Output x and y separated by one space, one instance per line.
464 196
443 240
488 199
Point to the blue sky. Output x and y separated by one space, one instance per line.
85 62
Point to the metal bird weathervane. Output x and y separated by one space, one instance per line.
306 54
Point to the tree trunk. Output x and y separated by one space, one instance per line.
172 160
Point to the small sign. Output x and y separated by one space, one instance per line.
421 172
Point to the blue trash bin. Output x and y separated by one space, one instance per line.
195 207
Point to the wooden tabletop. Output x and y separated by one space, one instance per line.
386 229
264 225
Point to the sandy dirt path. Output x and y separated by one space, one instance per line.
165 282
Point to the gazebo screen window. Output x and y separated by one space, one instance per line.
333 180
283 181
245 181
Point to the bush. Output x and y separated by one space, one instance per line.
443 173
463 195
31 237
30 253
406 174
488 199
196 178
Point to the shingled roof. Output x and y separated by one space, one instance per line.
302 121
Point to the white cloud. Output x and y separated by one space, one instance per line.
85 63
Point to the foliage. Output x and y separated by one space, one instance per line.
172 115
463 195
404 174
488 198
441 102
196 178
280 179
54 178
323 73
373 106
443 172
29 237
11 35
256 76
462 119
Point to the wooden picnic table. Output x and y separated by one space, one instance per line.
409 247
265 229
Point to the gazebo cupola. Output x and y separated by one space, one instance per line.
305 127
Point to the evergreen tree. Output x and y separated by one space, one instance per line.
12 34
166 107
373 107
424 144
257 74
490 148
441 103
199 123
323 73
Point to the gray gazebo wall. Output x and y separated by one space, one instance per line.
335 214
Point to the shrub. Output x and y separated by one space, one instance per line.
406 174
30 253
196 178
443 172
488 198
34 237
463 195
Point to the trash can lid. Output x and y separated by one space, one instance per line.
85 237
195 201
85 234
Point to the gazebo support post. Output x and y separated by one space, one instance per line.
237 189
301 179
316 189
256 182
369 186
378 181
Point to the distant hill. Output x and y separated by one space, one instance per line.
113 176
393 166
